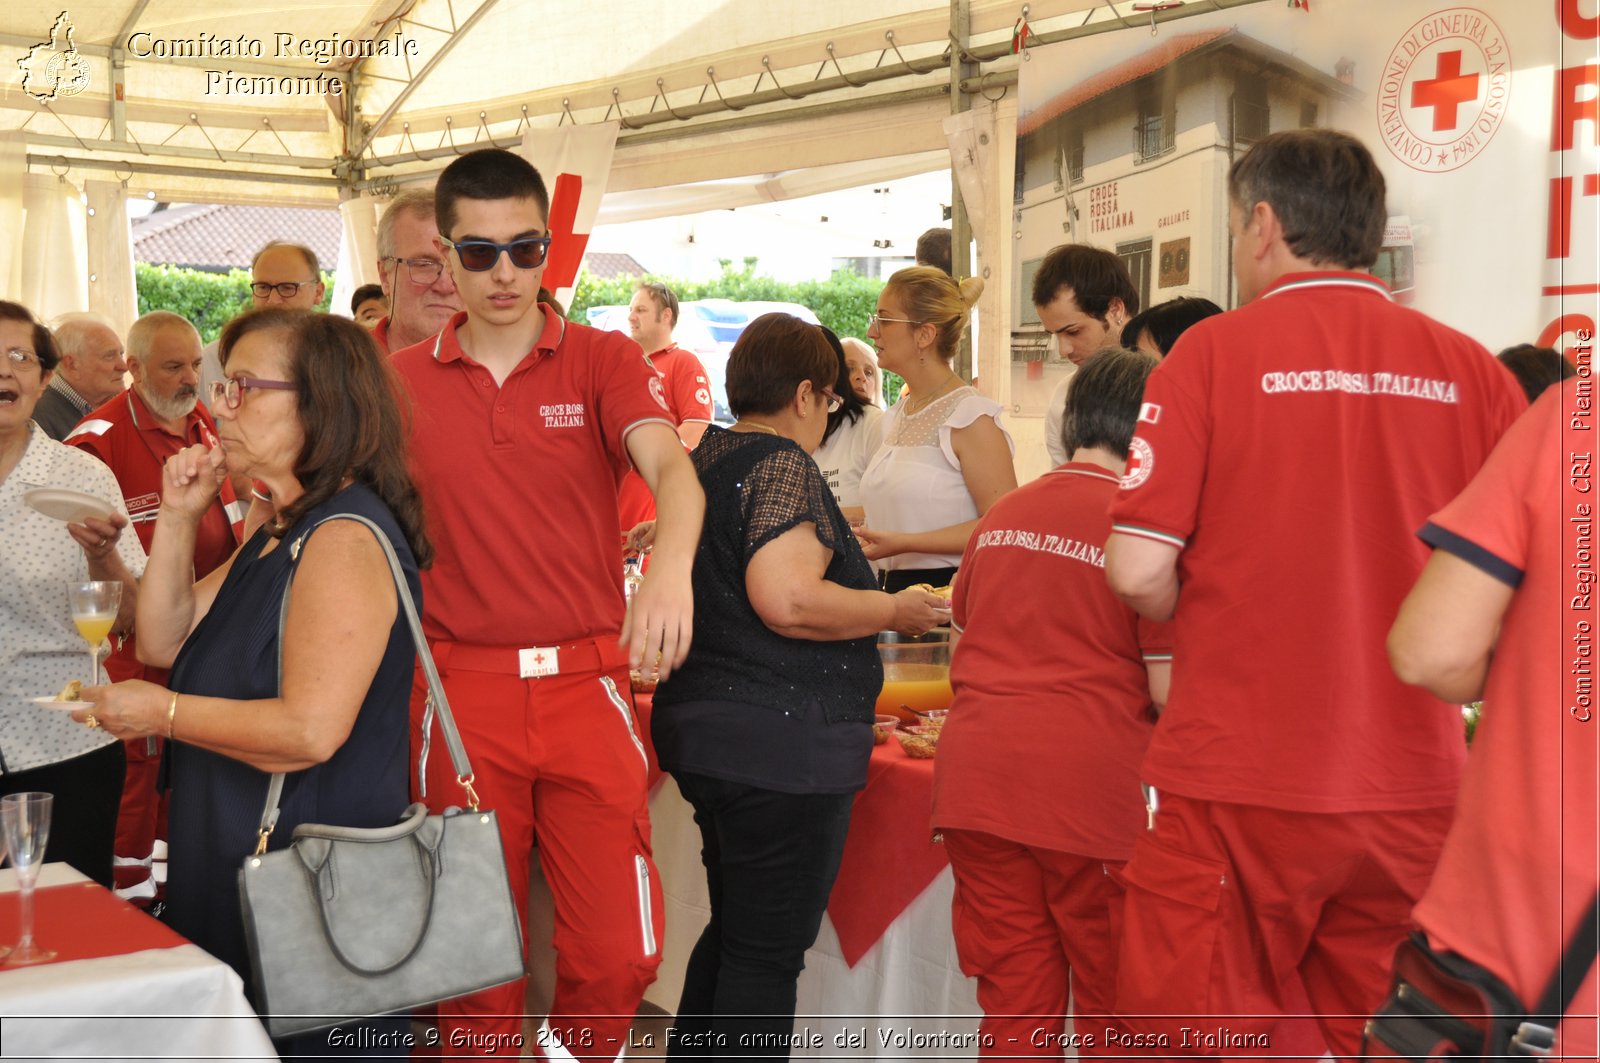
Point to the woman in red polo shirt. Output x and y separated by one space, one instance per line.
1057 685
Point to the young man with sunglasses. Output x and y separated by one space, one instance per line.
523 422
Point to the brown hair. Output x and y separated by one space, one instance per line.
932 297
44 345
772 356
349 401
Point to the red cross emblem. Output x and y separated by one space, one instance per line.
1446 91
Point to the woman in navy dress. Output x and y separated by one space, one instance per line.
308 409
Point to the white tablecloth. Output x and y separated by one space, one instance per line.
168 1004
907 989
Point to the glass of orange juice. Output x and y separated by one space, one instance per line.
94 610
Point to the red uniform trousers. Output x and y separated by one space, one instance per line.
559 760
141 818
1030 922
1225 902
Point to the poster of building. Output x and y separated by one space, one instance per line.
1483 118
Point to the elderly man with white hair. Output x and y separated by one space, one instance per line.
90 373
134 434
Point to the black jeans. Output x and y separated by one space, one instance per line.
770 860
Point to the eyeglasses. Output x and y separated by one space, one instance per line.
878 319
834 401
232 389
479 256
22 358
285 290
420 270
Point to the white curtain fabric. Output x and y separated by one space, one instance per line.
53 278
358 249
112 292
13 169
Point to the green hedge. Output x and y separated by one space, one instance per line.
208 300
843 302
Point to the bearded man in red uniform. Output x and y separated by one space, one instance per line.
1286 453
523 421
135 433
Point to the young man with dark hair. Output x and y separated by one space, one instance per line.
1083 296
1300 792
933 249
522 423
652 317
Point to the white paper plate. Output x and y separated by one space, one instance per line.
49 702
72 506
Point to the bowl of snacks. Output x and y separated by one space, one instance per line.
916 743
882 728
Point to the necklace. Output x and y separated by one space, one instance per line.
758 426
914 407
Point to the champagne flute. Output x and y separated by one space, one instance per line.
25 825
94 610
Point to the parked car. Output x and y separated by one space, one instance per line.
707 327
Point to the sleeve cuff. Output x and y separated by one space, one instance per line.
1473 554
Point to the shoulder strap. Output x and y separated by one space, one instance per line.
1576 961
437 702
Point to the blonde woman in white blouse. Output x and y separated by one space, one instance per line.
945 459
40 651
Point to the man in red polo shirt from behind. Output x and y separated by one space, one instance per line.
523 421
1285 455
134 434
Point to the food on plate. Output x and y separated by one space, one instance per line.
73 691
942 592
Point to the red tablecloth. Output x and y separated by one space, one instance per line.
889 856
84 921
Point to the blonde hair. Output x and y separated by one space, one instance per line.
932 297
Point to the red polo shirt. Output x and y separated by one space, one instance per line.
1290 449
380 333
125 434
1518 869
519 482
688 395
1052 707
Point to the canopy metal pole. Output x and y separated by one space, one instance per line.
960 229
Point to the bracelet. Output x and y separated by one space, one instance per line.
172 713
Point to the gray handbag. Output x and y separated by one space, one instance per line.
347 923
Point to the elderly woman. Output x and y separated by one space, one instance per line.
944 459
308 408
854 431
767 725
40 651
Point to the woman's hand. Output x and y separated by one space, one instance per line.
878 544
191 480
917 611
130 709
98 537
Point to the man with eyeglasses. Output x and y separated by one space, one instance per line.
90 372
422 293
134 434
522 422
652 315
282 274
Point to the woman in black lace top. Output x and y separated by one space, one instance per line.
767 726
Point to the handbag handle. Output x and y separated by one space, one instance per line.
436 696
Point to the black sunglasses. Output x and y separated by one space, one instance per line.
481 255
